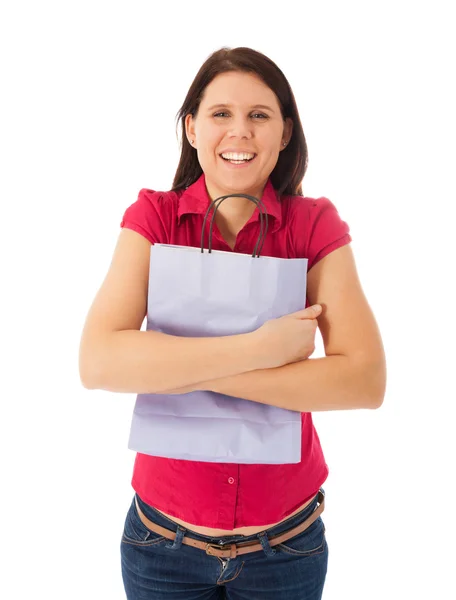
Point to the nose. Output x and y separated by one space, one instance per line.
240 126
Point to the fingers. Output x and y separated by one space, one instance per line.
307 313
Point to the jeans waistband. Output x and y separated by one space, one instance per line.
155 516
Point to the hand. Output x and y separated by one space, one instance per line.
288 339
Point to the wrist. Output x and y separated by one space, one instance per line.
253 348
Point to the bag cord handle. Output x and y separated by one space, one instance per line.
263 229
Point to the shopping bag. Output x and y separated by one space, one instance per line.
216 293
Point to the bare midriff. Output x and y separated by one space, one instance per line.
209 531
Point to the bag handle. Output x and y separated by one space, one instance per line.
263 213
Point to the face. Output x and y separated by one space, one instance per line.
238 124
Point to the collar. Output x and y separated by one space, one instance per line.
196 200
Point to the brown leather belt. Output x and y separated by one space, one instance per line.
233 550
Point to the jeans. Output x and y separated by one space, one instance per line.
155 568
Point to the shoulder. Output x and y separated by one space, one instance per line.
158 200
308 208
152 214
315 225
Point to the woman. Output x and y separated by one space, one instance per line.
213 530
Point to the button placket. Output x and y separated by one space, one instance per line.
228 492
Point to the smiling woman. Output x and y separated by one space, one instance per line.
195 526
235 132
240 145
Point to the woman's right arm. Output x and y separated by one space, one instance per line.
115 355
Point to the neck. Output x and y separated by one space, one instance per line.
234 211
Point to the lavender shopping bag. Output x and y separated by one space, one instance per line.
201 294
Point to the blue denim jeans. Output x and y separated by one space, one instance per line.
155 568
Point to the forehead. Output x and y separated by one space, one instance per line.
238 89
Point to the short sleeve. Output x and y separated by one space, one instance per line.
327 231
150 216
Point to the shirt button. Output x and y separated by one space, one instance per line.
230 480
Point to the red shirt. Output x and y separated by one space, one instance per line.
224 495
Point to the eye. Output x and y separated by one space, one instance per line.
225 113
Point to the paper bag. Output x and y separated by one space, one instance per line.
202 294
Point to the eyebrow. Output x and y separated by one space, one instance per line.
228 105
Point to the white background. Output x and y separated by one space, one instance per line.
90 91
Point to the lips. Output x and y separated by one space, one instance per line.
228 159
236 166
238 152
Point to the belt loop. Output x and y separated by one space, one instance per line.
177 542
264 541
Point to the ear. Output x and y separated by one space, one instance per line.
189 126
287 130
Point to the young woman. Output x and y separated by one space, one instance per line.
215 530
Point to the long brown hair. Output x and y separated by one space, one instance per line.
291 166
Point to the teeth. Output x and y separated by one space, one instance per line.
236 156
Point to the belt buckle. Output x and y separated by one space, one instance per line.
217 546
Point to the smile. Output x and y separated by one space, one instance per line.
236 164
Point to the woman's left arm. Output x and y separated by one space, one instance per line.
352 375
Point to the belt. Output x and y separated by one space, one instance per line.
233 550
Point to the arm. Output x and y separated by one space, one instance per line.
115 355
315 384
353 372
150 361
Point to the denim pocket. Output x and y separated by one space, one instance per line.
307 543
135 532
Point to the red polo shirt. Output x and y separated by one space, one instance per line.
224 495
